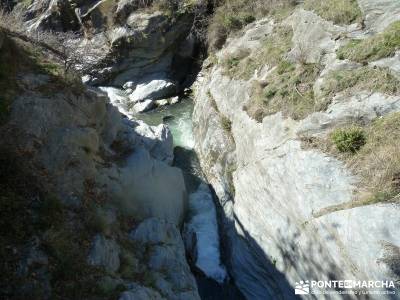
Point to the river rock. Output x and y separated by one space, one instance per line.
118 98
142 186
161 102
153 89
143 106
174 100
129 85
158 141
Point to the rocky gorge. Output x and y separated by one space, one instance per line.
139 164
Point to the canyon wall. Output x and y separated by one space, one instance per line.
292 211
98 203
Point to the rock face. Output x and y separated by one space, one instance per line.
92 139
105 253
271 188
379 14
140 293
166 258
83 150
146 47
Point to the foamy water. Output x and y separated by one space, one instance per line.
202 212
203 224
182 130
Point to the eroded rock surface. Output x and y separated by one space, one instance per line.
166 258
272 189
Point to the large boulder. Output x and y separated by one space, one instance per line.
153 89
143 106
166 258
142 187
157 140
57 15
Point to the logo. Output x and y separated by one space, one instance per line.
353 287
302 288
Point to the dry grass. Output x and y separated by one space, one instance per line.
13 20
289 88
382 45
337 11
376 162
233 15
364 78
276 45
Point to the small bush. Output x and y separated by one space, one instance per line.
382 45
226 124
337 11
349 139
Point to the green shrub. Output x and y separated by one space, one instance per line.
348 139
382 45
337 11
226 124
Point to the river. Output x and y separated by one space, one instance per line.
205 258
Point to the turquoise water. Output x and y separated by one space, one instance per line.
179 119
201 216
